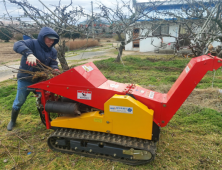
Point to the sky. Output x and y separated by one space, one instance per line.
15 11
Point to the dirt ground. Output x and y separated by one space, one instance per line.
7 53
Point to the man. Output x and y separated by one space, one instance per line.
40 49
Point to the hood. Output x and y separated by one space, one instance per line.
44 32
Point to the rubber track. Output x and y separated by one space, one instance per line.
124 141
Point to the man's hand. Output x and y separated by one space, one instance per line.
31 60
57 70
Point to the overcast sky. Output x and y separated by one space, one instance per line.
86 4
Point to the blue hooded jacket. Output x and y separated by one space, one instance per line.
37 47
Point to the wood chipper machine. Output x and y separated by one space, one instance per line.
106 119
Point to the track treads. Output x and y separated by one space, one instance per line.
102 145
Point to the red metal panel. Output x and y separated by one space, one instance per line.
187 81
47 122
86 78
153 100
91 73
114 86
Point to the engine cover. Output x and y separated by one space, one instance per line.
123 115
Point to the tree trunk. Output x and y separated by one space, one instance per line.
122 45
119 53
61 56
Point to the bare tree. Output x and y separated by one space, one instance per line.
200 23
63 19
125 20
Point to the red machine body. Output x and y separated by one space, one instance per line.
86 84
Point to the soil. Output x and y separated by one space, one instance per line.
7 53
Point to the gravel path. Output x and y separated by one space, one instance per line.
6 73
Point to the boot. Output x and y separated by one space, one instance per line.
13 119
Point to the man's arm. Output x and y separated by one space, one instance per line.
23 47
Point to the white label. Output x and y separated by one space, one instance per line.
187 69
114 85
121 109
87 68
85 95
142 91
151 95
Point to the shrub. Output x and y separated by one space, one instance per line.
5 34
18 37
35 35
71 35
79 43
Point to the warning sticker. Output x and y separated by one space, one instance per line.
190 65
121 109
87 68
151 94
114 85
85 95
187 69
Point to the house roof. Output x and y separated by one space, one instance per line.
176 4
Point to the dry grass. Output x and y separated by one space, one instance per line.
81 43
7 54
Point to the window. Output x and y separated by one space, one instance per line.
165 29
160 29
156 29
136 31
136 43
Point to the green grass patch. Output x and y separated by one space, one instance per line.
148 71
7 97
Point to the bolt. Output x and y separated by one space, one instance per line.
56 143
114 154
131 157
101 143
164 105
48 86
163 121
87 89
107 122
75 148
67 87
90 150
108 131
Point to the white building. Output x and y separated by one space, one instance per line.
167 27
151 43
